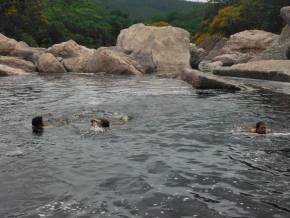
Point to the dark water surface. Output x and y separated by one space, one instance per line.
181 156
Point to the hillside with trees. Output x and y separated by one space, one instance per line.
43 22
229 17
146 9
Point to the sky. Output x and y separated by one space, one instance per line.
196 0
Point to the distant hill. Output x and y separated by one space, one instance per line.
146 9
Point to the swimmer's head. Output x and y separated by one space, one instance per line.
261 127
37 122
100 122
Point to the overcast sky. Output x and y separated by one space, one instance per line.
196 0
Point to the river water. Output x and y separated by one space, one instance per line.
182 154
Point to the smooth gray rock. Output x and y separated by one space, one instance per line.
200 80
275 70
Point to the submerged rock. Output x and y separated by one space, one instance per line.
200 80
276 70
47 63
10 71
15 62
161 49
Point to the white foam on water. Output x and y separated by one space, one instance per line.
15 153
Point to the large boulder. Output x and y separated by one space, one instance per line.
77 58
10 71
276 70
74 56
113 61
251 42
68 49
15 62
242 47
47 63
162 49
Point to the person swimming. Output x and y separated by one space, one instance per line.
100 124
261 128
38 124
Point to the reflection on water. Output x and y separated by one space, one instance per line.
180 156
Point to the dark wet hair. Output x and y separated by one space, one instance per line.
105 123
37 122
259 124
102 121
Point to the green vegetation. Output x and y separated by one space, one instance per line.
190 19
92 23
146 9
229 17
84 21
45 22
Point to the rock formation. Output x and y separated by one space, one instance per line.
47 63
161 49
280 49
243 46
15 62
10 71
276 70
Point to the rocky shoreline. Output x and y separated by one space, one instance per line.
164 51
